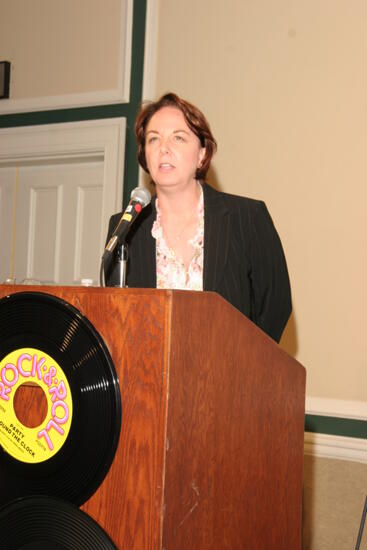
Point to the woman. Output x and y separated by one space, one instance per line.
193 237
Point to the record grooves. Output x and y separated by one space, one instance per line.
44 324
42 523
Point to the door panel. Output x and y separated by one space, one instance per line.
39 260
7 186
88 232
59 221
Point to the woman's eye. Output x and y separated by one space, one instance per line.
152 139
179 138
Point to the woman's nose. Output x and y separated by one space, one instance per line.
164 146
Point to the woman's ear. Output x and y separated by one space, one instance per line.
201 156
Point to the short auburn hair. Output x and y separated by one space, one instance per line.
195 120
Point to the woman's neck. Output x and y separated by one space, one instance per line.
179 218
176 203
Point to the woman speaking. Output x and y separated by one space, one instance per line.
193 237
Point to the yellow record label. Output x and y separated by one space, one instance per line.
33 445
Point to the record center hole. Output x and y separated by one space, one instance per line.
30 405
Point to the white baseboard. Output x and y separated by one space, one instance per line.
337 447
338 408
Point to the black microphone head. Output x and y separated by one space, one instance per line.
141 195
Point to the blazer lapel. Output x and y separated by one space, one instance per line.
142 273
149 250
216 237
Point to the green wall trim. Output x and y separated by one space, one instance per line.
345 427
64 115
127 110
136 91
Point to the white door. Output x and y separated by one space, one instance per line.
56 199
7 178
59 222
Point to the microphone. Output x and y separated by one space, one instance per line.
139 199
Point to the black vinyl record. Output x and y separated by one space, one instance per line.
39 321
42 523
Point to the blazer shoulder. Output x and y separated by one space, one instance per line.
232 200
114 219
246 208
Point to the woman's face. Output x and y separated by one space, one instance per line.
172 151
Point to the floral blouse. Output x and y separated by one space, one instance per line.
171 271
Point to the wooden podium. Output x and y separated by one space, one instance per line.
210 454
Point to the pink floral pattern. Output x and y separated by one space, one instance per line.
171 271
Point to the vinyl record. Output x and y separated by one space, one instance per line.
42 523
48 345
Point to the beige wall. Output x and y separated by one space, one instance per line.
59 48
284 86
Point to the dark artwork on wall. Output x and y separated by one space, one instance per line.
4 79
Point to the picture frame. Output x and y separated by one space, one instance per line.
4 79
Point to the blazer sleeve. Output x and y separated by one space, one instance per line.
111 270
271 294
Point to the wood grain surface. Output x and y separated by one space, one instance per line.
210 454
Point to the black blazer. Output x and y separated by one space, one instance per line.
243 258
